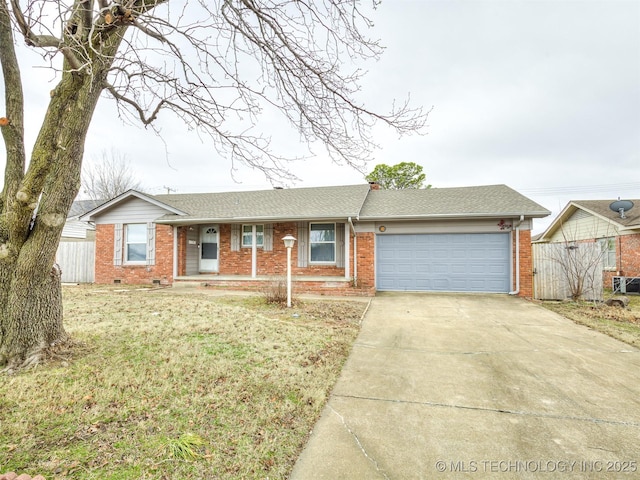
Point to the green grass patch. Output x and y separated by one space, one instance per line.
166 385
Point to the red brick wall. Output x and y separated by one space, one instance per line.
107 272
366 260
628 250
272 262
627 259
526 264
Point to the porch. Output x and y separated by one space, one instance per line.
315 284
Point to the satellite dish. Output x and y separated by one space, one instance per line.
621 206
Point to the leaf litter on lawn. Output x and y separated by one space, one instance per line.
246 379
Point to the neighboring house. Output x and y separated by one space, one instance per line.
616 233
76 229
349 239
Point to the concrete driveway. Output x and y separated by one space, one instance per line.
478 386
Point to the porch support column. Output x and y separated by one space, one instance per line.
175 253
347 241
254 252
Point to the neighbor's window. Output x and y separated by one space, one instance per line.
136 242
322 240
608 248
247 235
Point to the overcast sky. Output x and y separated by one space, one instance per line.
543 96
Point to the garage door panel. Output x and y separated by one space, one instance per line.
405 269
444 262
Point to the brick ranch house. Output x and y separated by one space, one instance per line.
350 240
618 235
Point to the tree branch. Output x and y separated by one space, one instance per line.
13 132
141 112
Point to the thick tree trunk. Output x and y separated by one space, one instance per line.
32 214
31 301
33 321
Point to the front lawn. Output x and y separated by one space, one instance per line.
620 323
166 386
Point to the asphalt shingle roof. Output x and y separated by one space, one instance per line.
80 207
601 207
489 200
295 203
338 202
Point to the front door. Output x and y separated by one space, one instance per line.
209 248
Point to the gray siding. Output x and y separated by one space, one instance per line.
76 229
133 210
440 226
583 226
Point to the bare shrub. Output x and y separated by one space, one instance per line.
276 292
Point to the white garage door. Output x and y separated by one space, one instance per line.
471 262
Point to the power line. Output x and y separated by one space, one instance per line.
548 191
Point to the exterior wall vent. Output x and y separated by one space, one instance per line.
156 282
117 281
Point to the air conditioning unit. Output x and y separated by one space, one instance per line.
626 284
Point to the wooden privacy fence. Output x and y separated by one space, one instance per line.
76 260
558 267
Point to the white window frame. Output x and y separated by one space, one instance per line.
608 247
311 243
125 252
259 228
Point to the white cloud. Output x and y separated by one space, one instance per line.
534 94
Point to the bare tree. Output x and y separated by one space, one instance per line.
579 264
214 64
109 177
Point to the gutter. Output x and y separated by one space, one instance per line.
447 216
355 252
517 273
181 221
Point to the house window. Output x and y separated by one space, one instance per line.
136 242
608 249
322 242
247 235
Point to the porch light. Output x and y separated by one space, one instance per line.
289 240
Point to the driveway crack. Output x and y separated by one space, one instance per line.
494 410
359 443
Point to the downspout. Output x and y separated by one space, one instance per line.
620 270
517 290
355 253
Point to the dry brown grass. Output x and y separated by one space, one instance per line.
620 323
168 386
